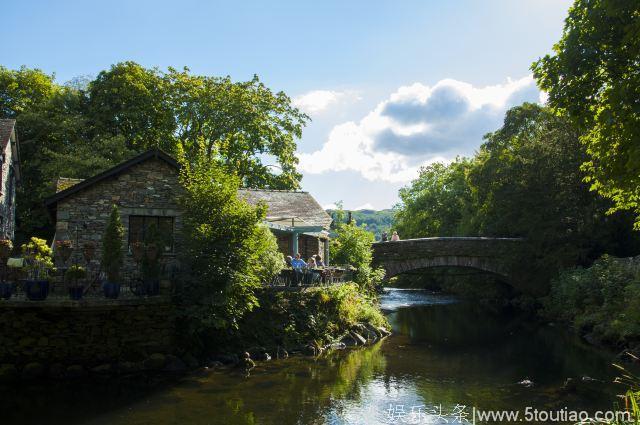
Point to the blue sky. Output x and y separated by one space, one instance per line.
390 85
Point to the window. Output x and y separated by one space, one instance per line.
144 228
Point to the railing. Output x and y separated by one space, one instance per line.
324 276
132 286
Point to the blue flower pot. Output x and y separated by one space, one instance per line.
6 290
111 290
76 292
36 290
151 287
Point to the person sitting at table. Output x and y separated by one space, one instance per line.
289 260
311 264
319 261
298 265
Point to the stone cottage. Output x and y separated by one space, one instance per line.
146 189
297 220
10 172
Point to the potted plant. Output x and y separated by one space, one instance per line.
39 262
112 254
64 249
6 246
6 288
74 275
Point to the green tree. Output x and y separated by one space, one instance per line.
85 127
130 101
437 203
238 123
228 253
593 76
112 252
526 182
23 90
352 246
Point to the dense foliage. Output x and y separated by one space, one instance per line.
228 254
593 77
86 126
525 181
375 221
351 245
602 301
437 203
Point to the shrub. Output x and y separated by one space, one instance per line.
603 300
75 273
39 258
352 246
228 253
112 254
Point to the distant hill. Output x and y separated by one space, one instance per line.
375 221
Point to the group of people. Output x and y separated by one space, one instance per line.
394 237
305 272
298 263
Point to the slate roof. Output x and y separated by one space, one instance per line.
284 204
6 128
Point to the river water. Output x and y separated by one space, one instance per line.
445 358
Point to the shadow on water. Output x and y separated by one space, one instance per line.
443 354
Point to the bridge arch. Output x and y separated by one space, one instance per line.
492 255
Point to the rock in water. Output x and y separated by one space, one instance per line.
155 361
281 353
8 372
33 370
527 383
359 338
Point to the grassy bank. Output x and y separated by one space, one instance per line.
292 320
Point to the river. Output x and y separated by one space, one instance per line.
445 358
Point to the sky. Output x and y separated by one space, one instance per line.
390 85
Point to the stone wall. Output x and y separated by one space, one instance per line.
150 188
494 255
8 193
89 333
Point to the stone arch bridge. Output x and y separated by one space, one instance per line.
492 255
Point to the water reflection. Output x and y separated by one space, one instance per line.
443 355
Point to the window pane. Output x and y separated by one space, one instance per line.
165 227
135 229
152 228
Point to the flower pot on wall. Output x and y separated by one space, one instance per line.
6 290
36 290
76 292
111 290
152 286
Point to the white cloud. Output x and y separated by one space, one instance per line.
366 206
418 125
319 100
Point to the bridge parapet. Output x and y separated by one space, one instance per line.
494 255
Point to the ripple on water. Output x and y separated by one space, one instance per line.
395 298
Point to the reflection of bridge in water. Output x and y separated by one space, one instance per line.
493 255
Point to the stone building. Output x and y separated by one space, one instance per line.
10 177
146 189
298 221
